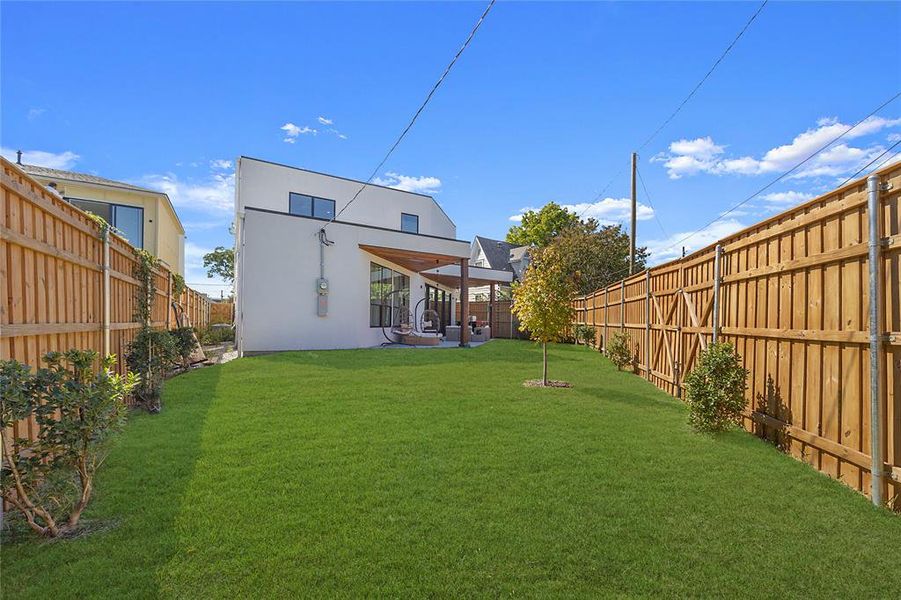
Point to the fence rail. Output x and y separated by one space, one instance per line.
54 294
503 323
794 299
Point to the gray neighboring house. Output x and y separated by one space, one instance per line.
500 256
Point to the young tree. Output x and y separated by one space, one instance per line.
220 262
542 301
539 227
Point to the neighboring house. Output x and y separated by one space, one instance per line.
384 256
144 217
500 256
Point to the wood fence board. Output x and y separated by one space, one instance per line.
795 303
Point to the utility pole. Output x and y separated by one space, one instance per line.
634 205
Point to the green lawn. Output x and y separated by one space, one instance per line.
435 473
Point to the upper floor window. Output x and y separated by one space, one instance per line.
409 223
128 220
310 206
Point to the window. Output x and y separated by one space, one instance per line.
128 220
409 223
310 206
389 297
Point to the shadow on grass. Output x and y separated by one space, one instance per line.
141 488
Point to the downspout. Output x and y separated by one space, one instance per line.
875 262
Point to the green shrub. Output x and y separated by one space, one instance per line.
618 350
185 343
216 335
715 389
150 356
50 480
584 334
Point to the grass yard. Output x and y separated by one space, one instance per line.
408 473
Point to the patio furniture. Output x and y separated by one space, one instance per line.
452 333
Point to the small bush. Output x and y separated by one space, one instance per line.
50 480
150 356
216 335
715 389
183 338
585 334
618 350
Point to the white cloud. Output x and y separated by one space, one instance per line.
608 211
420 185
324 121
221 163
786 198
337 133
52 160
34 113
671 247
215 194
702 155
292 131
894 137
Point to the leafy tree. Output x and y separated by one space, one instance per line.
50 480
151 355
539 227
715 389
220 262
542 301
597 257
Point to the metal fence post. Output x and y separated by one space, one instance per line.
717 266
647 324
875 264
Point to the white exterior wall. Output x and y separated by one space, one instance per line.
266 185
277 263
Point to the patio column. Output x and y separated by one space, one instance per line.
492 307
464 303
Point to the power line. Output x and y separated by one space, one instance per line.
869 164
706 76
418 111
792 170
650 202
789 172
685 101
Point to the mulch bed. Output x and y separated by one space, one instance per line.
552 383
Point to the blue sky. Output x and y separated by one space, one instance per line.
545 105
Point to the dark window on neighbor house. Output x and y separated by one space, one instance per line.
409 223
128 220
310 206
387 308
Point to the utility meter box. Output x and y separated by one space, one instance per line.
322 297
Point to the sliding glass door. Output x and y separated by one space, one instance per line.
439 301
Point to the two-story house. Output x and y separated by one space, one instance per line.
328 262
498 255
146 218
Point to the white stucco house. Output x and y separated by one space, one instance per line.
314 270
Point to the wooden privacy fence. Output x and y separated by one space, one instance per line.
503 323
56 292
222 312
793 296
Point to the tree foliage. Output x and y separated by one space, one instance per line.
715 389
542 301
150 356
49 480
539 228
220 262
597 257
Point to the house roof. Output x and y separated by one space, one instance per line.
82 178
517 253
49 173
497 252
